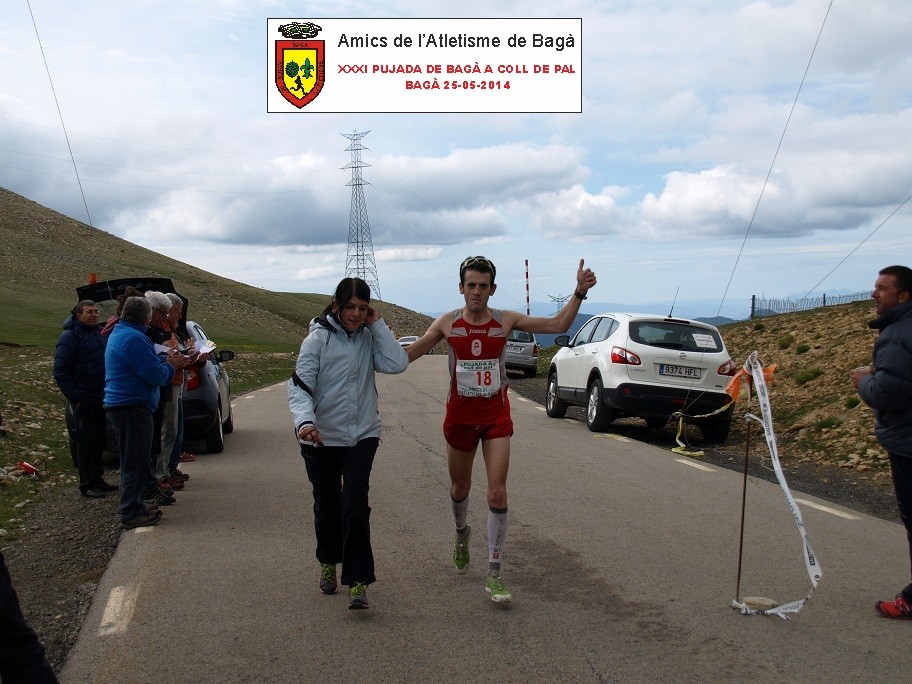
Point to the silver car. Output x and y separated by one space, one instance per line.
522 352
207 402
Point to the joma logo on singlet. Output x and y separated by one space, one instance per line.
480 331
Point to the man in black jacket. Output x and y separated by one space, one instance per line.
886 386
80 373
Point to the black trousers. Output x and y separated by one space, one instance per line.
22 658
341 479
91 426
901 469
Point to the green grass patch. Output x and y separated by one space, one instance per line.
852 402
33 418
805 376
789 415
802 348
249 371
828 422
785 341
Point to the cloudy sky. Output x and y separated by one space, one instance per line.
687 171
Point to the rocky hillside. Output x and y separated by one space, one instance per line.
817 413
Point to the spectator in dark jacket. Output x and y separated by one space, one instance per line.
886 386
80 372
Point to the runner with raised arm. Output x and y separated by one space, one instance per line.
477 406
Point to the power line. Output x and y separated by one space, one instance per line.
855 249
60 114
775 156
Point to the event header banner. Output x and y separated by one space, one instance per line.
424 65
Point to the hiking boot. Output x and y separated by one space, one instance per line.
173 484
92 493
161 499
142 520
357 596
186 457
495 587
103 486
898 608
178 474
328 578
461 552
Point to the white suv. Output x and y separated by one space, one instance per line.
644 365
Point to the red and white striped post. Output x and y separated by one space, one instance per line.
528 311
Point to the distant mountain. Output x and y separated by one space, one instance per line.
734 309
716 320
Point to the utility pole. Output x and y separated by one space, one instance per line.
359 260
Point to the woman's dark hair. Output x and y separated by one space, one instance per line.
130 291
348 288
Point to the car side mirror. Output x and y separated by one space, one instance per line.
225 355
562 340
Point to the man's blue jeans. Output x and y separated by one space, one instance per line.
133 427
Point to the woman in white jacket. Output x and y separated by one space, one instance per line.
333 401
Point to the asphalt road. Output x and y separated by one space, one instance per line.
621 557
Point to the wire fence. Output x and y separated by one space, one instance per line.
761 307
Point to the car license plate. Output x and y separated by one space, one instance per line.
679 371
514 348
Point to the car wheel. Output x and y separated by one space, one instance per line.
215 438
228 427
598 416
716 431
656 422
555 407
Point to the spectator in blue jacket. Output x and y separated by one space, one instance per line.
886 386
80 373
134 374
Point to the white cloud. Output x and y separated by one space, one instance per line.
685 103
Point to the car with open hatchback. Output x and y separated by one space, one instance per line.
207 401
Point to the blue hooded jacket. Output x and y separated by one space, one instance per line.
133 371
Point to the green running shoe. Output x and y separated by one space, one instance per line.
357 596
495 587
327 578
461 552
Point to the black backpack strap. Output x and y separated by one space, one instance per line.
300 383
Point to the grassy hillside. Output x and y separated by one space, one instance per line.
818 415
45 255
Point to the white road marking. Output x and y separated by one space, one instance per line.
266 389
609 435
694 464
119 610
250 396
539 408
827 509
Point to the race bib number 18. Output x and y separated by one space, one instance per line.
477 378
